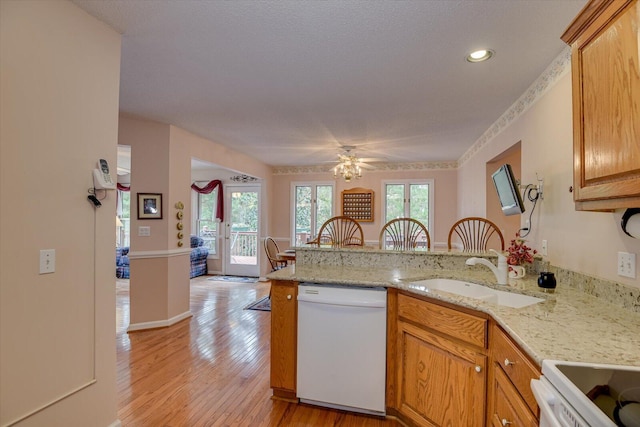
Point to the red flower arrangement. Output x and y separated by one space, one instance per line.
519 252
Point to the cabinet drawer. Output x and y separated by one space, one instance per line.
515 365
508 407
465 327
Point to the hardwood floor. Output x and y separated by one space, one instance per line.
211 369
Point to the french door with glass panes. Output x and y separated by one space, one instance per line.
242 226
409 199
312 206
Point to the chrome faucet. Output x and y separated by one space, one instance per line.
501 272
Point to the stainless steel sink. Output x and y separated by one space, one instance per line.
479 292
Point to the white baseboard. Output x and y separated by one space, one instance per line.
159 323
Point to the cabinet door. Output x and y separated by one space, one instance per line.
606 102
441 382
284 319
508 408
511 360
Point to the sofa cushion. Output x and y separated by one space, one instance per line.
121 256
196 241
199 253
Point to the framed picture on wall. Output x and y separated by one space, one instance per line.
149 206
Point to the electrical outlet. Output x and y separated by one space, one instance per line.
47 261
543 249
627 264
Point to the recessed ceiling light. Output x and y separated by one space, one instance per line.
480 55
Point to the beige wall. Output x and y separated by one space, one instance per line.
150 142
586 242
445 187
59 114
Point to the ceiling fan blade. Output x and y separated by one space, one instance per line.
372 159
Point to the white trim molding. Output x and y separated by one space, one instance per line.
159 254
379 167
159 323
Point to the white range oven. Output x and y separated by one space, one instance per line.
576 394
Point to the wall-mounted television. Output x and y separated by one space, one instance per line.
508 191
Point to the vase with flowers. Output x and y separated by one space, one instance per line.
518 255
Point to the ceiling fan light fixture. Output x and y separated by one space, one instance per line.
480 55
348 168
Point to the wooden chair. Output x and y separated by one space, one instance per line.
271 248
404 234
475 234
339 232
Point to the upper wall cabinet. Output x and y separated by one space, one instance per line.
606 104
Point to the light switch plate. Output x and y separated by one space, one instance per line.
144 231
544 248
47 261
627 264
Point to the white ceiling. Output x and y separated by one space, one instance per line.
289 82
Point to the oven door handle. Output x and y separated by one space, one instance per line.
545 400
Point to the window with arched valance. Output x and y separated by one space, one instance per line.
208 189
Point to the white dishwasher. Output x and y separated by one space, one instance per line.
342 334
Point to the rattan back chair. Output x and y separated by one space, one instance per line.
271 248
476 235
340 231
404 234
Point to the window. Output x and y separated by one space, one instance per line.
207 225
409 199
312 206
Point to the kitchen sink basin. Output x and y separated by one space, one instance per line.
475 291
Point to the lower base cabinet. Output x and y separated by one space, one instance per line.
441 383
446 366
507 408
441 364
284 331
511 401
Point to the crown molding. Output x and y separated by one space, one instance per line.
558 68
379 167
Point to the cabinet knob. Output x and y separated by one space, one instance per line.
288 296
505 422
508 362
478 368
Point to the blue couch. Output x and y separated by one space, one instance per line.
198 259
122 262
199 254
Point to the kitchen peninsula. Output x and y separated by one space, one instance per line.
584 320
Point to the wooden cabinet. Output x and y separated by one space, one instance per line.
441 376
508 410
605 64
284 330
357 203
446 365
510 397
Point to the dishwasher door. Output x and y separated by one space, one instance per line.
342 347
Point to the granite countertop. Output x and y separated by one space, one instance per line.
568 325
